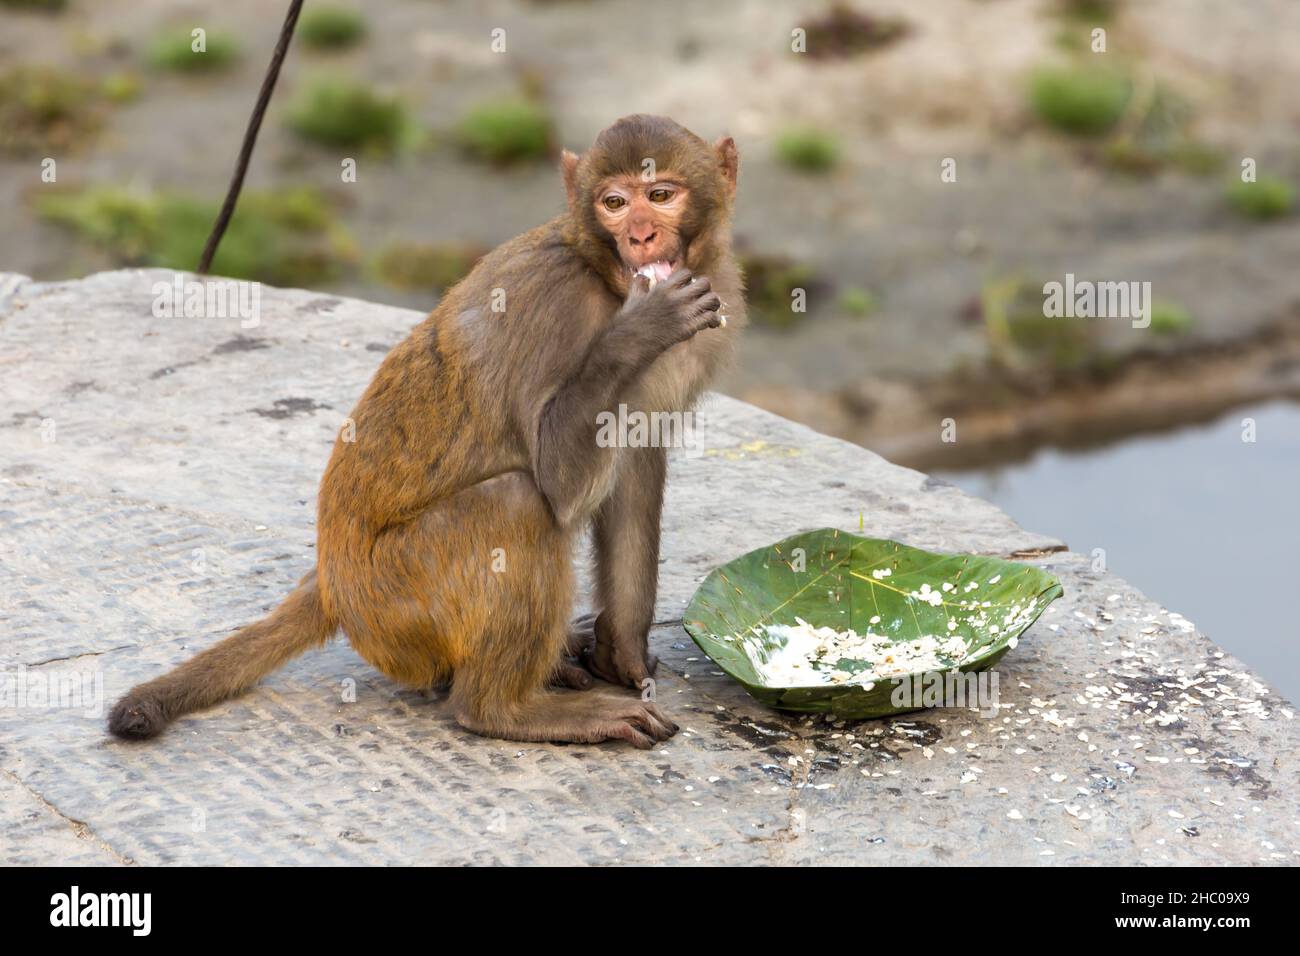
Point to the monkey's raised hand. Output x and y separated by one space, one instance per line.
658 317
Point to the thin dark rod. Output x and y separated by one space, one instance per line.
250 137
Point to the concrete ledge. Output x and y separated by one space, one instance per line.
157 488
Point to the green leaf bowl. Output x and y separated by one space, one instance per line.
831 578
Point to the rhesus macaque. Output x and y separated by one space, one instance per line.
446 527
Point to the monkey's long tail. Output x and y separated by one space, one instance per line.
229 667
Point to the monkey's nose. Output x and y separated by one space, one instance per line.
646 237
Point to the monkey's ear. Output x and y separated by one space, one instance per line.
569 167
729 161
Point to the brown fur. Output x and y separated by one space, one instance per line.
478 433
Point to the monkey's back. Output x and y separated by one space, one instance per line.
435 418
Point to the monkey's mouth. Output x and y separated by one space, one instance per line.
656 271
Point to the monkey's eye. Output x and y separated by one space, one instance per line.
661 195
614 202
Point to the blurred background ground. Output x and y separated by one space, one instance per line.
923 295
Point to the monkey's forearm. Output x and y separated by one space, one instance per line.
571 469
626 538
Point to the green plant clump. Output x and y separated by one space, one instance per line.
507 131
808 150
1170 318
43 109
1088 11
1022 339
284 238
1080 101
771 283
1267 198
340 112
42 6
331 28
857 301
122 87
1157 133
174 50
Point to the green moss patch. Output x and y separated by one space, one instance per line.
288 237
1267 198
808 150
44 109
331 28
507 131
174 50
340 112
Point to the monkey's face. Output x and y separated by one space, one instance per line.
649 196
645 220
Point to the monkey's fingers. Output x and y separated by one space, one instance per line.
638 288
700 286
686 295
709 303
696 325
571 675
680 279
602 662
710 320
582 635
592 658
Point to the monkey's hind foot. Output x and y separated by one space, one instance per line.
583 719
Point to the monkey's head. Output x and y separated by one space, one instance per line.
650 194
